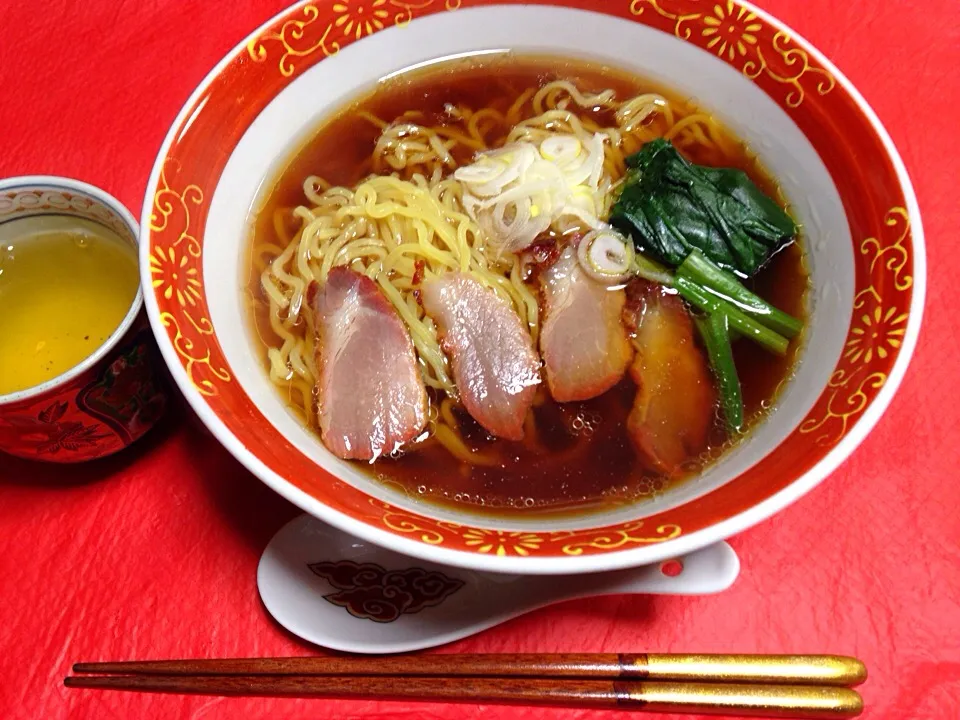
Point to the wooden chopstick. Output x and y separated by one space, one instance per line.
758 700
828 670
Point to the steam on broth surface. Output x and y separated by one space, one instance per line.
404 214
65 285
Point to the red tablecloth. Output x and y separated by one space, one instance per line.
153 553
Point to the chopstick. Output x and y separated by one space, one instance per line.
794 686
830 670
783 701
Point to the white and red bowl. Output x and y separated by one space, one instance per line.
810 126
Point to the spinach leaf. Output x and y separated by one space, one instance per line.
671 207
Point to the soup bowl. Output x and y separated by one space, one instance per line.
116 394
810 127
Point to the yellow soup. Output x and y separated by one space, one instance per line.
65 286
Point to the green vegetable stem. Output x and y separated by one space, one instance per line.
715 331
701 271
743 324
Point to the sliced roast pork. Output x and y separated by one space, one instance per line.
495 366
676 401
583 341
372 397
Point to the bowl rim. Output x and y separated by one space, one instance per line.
55 183
535 565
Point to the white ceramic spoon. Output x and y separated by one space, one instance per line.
334 590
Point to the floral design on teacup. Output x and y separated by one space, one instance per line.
50 432
97 414
126 397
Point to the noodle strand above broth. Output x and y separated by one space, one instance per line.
386 204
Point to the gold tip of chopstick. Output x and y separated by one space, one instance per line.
834 670
751 700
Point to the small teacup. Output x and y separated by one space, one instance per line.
116 394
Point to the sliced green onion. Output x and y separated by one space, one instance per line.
606 255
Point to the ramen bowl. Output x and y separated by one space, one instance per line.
809 125
114 395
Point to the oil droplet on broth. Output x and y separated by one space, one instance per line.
66 285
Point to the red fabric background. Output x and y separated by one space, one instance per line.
153 553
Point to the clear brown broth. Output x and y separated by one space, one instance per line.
585 460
